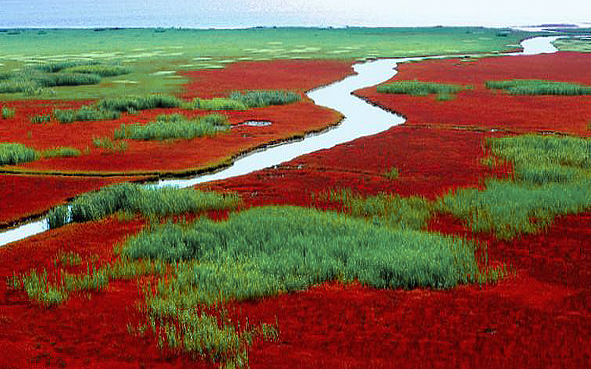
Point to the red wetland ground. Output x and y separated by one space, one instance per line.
539 318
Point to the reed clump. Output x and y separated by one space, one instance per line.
442 91
174 126
539 87
262 98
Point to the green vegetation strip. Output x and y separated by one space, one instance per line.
417 88
174 126
262 98
139 199
539 87
14 153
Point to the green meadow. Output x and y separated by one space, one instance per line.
140 61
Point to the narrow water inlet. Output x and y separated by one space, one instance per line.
361 119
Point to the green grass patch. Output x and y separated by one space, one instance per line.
444 92
99 70
552 177
85 113
136 103
539 87
7 113
262 98
68 259
392 173
60 152
14 153
386 209
138 199
215 104
110 146
41 118
174 126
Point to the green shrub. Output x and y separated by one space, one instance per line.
215 104
14 153
85 113
175 126
7 113
262 98
539 87
134 198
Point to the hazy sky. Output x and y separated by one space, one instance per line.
243 13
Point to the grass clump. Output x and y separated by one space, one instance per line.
391 210
109 145
215 104
262 98
539 87
85 113
60 152
392 173
99 70
136 103
14 153
40 119
137 199
552 177
69 258
444 92
59 66
174 126
7 113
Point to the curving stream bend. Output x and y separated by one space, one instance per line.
361 119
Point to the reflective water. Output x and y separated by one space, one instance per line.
361 119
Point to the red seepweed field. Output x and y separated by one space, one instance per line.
537 318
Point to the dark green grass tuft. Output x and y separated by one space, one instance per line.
262 98
215 104
7 112
59 66
134 198
174 126
60 152
40 119
99 69
135 103
444 92
14 153
85 113
539 87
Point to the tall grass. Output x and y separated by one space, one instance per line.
99 69
60 152
539 87
552 177
391 210
135 103
443 91
107 144
66 79
59 66
7 112
262 98
215 104
14 153
134 198
174 126
85 113
41 118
